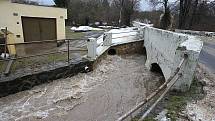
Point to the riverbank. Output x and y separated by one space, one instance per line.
197 104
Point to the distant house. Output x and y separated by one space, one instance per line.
31 22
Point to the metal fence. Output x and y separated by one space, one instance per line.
40 53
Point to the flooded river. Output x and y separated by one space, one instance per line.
113 88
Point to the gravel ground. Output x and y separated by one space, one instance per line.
203 110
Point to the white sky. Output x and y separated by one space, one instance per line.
144 4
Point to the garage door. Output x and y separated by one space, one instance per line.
38 29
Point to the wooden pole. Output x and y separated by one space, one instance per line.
5 47
68 53
160 98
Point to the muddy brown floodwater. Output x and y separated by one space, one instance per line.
113 88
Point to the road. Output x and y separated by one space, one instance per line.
207 56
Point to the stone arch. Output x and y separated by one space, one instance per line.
145 51
112 51
156 68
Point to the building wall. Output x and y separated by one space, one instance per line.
11 13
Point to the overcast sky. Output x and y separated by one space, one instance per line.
144 4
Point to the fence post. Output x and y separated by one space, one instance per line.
107 39
68 51
141 32
5 47
91 46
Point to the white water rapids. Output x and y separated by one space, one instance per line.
113 88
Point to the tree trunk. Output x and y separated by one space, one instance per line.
194 13
180 23
184 12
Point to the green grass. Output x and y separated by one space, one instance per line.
175 105
178 101
42 60
149 118
71 35
2 67
38 61
57 57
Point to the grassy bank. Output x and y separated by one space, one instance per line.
176 102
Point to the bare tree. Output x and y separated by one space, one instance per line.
26 2
126 9
184 12
98 11
195 6
166 18
61 3
155 3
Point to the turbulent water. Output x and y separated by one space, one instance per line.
113 88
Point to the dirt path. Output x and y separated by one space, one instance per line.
112 89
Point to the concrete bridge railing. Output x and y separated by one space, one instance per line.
167 49
97 46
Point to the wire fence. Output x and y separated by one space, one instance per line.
40 54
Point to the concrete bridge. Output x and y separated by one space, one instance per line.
165 50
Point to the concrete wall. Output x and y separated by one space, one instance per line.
14 23
167 50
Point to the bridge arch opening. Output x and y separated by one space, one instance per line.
144 52
156 69
112 52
